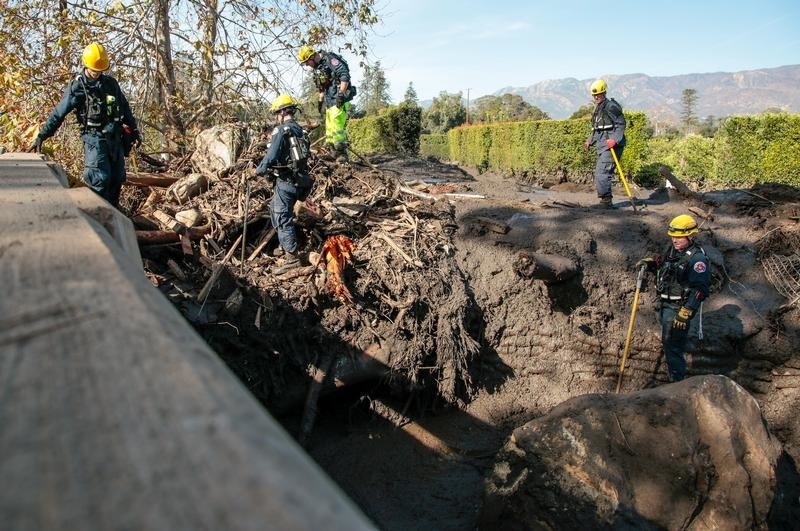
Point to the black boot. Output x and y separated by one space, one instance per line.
291 261
606 202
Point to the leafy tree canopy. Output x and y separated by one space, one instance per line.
508 107
184 66
446 111
374 90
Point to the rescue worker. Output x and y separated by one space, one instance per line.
104 116
682 282
332 79
286 163
608 132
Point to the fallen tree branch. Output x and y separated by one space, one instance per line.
385 237
217 271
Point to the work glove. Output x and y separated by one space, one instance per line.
586 145
649 263
339 100
611 143
681 320
36 147
137 138
319 107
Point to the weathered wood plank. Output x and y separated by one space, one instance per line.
105 427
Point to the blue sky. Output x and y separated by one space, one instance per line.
449 45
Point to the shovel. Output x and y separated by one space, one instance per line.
624 181
639 279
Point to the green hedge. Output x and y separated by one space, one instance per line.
690 157
434 145
747 150
544 147
395 129
758 149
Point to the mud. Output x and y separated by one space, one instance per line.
413 462
413 449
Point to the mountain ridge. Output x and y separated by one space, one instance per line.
719 94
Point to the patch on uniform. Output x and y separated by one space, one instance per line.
700 267
334 61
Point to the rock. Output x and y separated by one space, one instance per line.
217 148
190 218
694 454
188 187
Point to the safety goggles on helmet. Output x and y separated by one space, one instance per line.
284 101
681 226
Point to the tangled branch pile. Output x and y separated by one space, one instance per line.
399 308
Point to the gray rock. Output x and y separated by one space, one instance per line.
695 454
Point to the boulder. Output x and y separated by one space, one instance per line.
217 148
695 454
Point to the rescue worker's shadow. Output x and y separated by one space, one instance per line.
715 341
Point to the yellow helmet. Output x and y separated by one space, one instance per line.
683 225
598 87
305 53
95 57
284 101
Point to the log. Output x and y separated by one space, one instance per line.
142 179
169 222
676 183
549 268
492 225
154 237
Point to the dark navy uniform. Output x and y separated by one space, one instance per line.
100 108
682 280
330 71
608 121
292 181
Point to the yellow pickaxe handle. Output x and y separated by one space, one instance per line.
624 181
630 326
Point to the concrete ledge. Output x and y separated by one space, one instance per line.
114 414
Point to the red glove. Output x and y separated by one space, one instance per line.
611 143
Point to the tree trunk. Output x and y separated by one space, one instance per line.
165 74
209 18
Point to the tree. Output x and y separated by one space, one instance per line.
183 65
584 111
688 102
446 111
709 126
508 107
374 90
407 124
411 95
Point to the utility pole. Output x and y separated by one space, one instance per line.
467 106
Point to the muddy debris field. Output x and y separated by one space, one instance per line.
416 335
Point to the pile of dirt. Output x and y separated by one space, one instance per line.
392 303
